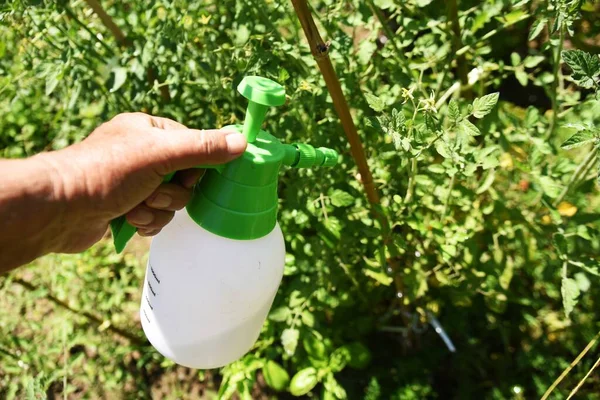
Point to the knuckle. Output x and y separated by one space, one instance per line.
211 144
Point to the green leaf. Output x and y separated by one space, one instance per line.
442 148
289 340
515 59
487 182
304 381
280 314
375 102
339 358
549 187
537 27
242 34
431 122
120 78
453 111
314 346
533 61
468 128
570 294
484 105
360 355
580 138
276 376
339 198
521 76
593 270
52 79
585 66
380 277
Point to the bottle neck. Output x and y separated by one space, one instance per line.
239 199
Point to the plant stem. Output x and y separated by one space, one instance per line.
582 170
554 90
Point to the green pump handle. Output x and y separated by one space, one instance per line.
262 93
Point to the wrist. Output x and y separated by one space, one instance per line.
29 206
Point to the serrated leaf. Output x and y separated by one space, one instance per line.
443 149
580 138
339 198
484 105
453 111
537 27
431 122
585 66
375 102
468 128
398 120
570 294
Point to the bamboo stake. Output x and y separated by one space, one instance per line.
320 52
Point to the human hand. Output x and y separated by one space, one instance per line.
119 170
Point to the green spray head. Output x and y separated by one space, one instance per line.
238 200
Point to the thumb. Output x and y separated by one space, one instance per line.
186 148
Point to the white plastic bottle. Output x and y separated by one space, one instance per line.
214 270
206 297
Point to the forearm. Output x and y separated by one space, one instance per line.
30 211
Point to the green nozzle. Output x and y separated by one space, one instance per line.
262 93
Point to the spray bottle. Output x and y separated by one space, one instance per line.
214 270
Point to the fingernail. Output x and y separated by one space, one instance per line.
236 143
161 200
140 217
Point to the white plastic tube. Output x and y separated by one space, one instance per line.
206 297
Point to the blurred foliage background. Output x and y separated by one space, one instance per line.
491 199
